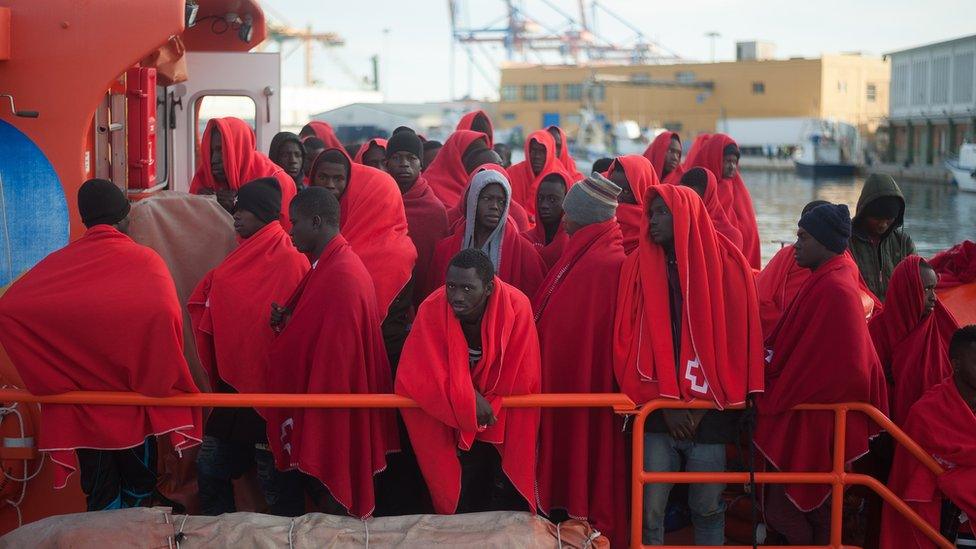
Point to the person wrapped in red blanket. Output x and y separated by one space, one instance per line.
372 153
579 297
228 159
563 154
705 184
943 423
473 343
488 227
549 234
229 313
956 268
321 130
330 342
526 176
664 153
634 175
720 154
478 121
819 353
447 175
781 279
912 335
686 327
101 314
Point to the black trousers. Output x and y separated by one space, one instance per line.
118 479
484 486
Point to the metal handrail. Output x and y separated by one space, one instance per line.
619 402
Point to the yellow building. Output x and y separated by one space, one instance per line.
691 98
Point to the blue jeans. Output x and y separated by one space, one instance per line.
663 454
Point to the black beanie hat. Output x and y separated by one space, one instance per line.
261 197
404 140
830 224
101 202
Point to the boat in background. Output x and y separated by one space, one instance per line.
963 168
828 149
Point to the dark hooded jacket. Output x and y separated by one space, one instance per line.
876 262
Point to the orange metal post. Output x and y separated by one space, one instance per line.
837 490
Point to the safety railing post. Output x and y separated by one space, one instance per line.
837 492
636 484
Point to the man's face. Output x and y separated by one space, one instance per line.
661 228
246 223
877 226
730 163
505 153
807 251
929 281
429 156
619 179
965 366
404 167
374 157
304 231
537 156
467 294
673 157
331 176
491 204
549 201
557 136
217 156
290 158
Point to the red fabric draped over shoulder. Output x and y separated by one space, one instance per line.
229 308
524 181
802 369
565 157
641 176
427 225
242 163
381 143
579 296
434 371
780 281
914 351
467 123
324 131
656 152
945 427
552 251
446 174
955 266
717 213
721 338
332 344
733 195
373 221
62 324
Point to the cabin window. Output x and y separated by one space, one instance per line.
221 106
758 88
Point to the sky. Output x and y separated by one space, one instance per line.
413 37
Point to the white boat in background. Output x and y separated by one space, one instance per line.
963 168
828 149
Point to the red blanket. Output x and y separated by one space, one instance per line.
524 181
914 351
373 221
100 314
641 176
944 426
717 213
565 157
733 195
819 353
381 143
467 121
333 344
521 265
955 266
656 152
537 235
721 339
780 281
242 163
427 225
446 174
324 131
434 372
579 447
229 308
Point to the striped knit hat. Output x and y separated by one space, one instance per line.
592 200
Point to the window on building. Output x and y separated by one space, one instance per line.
530 92
842 86
920 81
940 80
550 92
872 93
684 77
758 88
508 116
674 126
573 92
962 77
599 92
509 93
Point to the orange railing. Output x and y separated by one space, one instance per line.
838 477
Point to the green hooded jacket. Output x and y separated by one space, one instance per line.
876 262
